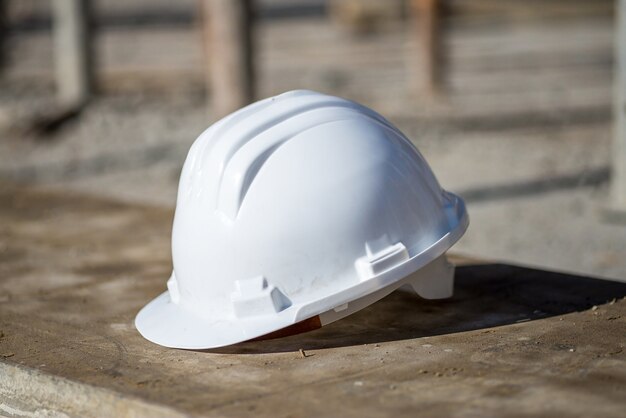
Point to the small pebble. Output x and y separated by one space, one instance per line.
594 308
358 383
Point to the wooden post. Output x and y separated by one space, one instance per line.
73 51
227 31
3 33
618 179
426 16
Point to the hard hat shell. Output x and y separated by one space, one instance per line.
298 206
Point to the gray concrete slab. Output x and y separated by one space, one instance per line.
513 341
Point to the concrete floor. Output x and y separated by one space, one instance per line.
512 341
524 134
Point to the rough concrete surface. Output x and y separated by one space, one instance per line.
75 270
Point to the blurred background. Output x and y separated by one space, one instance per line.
510 102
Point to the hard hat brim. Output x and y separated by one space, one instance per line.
165 323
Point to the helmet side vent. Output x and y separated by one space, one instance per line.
380 256
256 296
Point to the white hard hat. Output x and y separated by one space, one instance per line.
301 207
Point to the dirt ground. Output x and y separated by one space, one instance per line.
523 132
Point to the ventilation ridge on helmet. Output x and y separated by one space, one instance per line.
229 135
217 141
245 114
203 145
242 168
226 141
204 142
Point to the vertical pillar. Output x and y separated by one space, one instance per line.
3 33
230 75
73 51
426 16
618 178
